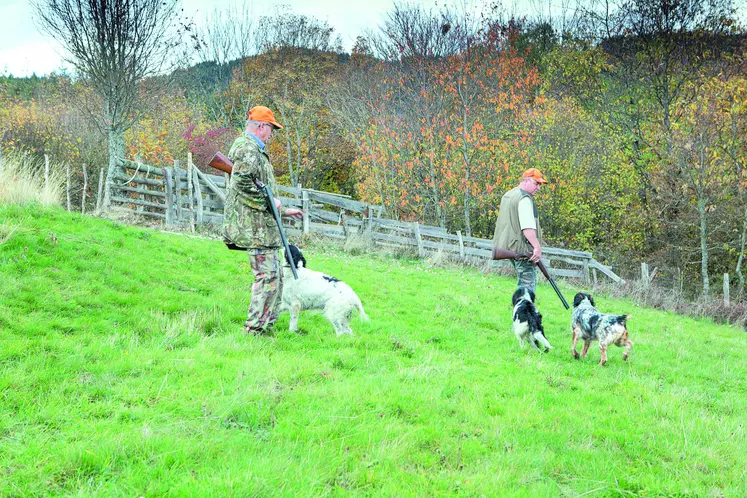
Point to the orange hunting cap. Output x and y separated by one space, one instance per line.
535 174
262 113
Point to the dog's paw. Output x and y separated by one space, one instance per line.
576 355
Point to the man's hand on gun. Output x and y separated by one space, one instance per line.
294 213
531 236
536 255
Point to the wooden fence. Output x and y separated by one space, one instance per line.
186 197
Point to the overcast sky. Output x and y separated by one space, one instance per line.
24 50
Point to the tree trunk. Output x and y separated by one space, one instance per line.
703 246
740 260
116 153
298 162
465 156
289 154
467 221
434 192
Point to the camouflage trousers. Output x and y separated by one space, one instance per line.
526 273
266 290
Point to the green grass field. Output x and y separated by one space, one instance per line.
124 372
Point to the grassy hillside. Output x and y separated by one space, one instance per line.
124 372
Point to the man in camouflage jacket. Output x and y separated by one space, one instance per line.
249 224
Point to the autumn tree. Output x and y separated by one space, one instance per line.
358 100
114 45
492 88
696 161
415 41
391 106
733 145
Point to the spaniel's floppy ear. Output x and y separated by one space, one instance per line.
516 297
578 299
297 256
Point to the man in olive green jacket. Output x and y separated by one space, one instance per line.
518 228
248 223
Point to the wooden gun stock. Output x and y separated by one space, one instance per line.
222 163
499 253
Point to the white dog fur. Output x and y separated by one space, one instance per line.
316 291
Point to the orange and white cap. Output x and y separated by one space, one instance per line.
262 113
535 174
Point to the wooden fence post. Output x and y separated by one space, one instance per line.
727 298
586 271
85 187
101 191
178 191
369 221
418 238
644 274
67 170
306 206
461 243
344 223
139 196
190 168
169 197
198 195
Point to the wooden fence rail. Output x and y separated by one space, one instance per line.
187 197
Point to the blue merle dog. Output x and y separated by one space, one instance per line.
589 325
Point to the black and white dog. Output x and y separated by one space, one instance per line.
528 320
589 325
316 291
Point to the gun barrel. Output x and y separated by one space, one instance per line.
546 273
270 201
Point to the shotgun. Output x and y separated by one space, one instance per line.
506 254
222 163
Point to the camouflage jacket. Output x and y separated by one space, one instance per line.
246 220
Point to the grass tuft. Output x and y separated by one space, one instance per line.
22 181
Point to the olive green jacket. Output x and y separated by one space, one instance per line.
508 234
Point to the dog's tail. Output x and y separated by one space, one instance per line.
622 319
359 306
